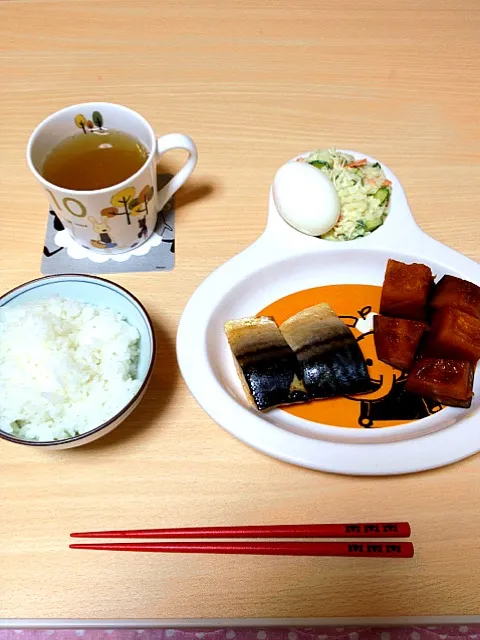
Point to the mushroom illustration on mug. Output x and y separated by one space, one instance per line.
102 228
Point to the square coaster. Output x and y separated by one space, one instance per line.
61 254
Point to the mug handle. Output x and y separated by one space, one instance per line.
167 143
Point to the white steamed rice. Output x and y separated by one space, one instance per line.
65 368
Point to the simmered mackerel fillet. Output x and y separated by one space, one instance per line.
331 362
265 363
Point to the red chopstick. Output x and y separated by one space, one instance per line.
358 530
345 549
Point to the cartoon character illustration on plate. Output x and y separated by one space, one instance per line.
102 228
389 400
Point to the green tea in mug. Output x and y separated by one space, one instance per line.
94 160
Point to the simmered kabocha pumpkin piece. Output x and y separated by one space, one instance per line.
396 340
331 362
457 293
265 363
405 290
454 334
450 382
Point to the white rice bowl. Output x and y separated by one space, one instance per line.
66 367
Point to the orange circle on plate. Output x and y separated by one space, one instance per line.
389 404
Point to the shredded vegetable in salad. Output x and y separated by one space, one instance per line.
362 188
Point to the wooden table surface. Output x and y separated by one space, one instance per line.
253 83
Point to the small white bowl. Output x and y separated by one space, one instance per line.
101 293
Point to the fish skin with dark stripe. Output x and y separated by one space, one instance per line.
331 362
265 363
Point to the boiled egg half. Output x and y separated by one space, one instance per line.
306 198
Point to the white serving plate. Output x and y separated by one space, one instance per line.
283 261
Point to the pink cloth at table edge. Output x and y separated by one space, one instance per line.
431 632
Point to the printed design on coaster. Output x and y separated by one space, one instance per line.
64 240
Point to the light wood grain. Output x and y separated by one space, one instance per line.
253 83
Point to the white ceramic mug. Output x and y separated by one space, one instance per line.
118 218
